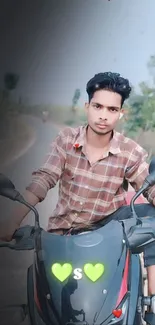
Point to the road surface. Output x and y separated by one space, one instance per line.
13 265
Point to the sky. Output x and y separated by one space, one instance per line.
57 46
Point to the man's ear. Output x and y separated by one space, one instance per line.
121 114
125 112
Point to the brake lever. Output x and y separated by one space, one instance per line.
23 239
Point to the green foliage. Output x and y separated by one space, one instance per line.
76 96
75 100
151 66
142 106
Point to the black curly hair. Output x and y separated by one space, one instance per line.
109 81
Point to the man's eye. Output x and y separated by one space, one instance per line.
113 109
97 106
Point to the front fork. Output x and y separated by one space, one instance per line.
147 303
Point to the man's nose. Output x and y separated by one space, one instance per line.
104 114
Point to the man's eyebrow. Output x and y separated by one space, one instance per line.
97 103
114 107
107 106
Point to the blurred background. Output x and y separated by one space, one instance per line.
49 49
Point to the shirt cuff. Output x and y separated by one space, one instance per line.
37 190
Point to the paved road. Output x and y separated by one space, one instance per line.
13 265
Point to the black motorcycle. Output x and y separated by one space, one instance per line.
92 277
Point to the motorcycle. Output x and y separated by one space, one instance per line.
91 277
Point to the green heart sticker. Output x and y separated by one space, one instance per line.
61 272
94 272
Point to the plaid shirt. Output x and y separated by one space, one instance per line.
88 192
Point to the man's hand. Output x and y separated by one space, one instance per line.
11 224
153 202
7 230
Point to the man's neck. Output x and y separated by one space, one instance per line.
98 141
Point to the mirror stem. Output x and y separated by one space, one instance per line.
142 189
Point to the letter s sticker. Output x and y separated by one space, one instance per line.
77 274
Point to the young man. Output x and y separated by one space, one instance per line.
91 163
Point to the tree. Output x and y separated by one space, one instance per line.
75 99
10 82
141 119
134 118
151 67
142 106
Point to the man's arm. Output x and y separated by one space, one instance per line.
45 178
137 170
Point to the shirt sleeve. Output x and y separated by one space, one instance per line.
46 177
137 170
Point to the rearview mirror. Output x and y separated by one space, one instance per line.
7 188
152 166
5 182
139 236
150 179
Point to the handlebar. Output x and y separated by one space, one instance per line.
23 239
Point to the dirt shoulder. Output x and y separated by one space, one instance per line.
17 139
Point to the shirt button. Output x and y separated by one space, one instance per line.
81 203
75 214
86 186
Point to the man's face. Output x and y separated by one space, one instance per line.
103 111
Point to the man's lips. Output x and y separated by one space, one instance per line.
101 125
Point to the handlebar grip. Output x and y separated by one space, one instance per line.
23 239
